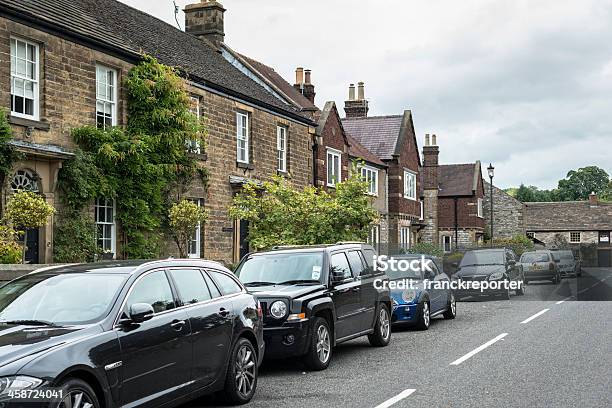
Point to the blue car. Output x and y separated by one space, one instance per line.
417 305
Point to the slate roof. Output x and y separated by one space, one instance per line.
358 150
279 82
568 216
128 31
378 134
458 179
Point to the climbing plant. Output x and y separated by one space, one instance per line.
141 166
8 154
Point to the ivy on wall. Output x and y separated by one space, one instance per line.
142 167
8 154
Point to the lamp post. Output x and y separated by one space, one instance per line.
491 171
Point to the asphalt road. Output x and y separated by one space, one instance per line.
549 348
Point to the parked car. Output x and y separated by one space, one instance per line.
417 305
568 264
540 265
495 264
133 334
316 297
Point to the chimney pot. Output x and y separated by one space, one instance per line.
299 76
434 141
307 75
351 92
360 91
593 199
426 139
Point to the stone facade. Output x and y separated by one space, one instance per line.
507 213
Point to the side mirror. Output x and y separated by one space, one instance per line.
337 276
141 312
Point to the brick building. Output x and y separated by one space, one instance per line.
62 66
392 140
453 197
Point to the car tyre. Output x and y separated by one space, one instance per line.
320 350
451 308
77 394
521 291
424 315
382 329
241 378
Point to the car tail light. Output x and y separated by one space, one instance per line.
259 310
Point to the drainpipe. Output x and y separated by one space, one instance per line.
315 155
456 200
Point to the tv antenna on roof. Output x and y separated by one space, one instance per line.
176 12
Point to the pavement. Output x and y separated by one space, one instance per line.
549 348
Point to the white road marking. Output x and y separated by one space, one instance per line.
479 349
396 399
559 302
541 312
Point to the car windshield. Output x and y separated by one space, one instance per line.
272 269
405 268
531 257
482 258
66 299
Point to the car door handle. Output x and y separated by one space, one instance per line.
177 324
344 290
223 312
356 289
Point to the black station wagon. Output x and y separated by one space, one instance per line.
151 334
315 297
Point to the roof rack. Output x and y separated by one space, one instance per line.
349 242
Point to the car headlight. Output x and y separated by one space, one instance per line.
496 276
409 295
19 382
278 309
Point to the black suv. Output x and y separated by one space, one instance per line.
150 334
315 297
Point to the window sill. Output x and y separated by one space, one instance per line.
331 186
282 173
36 124
410 198
198 156
246 166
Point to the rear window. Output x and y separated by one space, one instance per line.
565 255
533 257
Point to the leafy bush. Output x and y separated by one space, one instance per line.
10 250
184 218
426 248
518 243
75 239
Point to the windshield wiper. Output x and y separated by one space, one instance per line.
30 322
297 281
260 284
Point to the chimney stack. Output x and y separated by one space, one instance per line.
430 190
431 151
593 199
303 83
205 21
356 108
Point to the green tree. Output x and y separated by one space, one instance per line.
280 214
8 153
184 218
26 210
528 194
580 183
10 251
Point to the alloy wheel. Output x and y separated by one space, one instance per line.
385 326
323 344
426 314
245 371
76 399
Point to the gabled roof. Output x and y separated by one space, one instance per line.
458 179
112 26
378 134
280 83
568 216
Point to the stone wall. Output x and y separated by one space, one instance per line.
507 213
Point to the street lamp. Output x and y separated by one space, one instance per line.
491 171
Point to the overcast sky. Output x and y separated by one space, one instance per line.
526 85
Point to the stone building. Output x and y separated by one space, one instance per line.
62 70
453 199
392 140
508 213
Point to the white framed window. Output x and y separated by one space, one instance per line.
422 207
479 208
334 167
193 146
575 237
370 175
106 228
242 137
410 185
25 73
194 244
106 97
446 243
374 236
404 241
281 148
